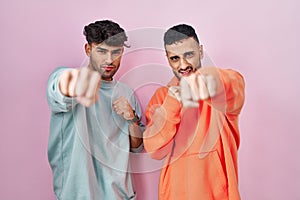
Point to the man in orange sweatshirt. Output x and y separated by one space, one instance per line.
192 123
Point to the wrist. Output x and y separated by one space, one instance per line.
134 119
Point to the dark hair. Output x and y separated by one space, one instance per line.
179 32
105 31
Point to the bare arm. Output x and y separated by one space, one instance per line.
135 135
123 108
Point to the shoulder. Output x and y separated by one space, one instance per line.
159 95
57 71
161 92
122 89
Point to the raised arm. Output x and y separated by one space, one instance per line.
222 88
57 101
162 115
130 113
67 86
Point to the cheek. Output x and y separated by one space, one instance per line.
117 60
174 68
173 65
195 62
96 58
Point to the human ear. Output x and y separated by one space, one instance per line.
87 48
201 51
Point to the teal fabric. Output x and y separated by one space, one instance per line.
89 148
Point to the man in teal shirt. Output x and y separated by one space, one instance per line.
95 122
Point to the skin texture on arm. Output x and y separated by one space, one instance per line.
123 108
135 135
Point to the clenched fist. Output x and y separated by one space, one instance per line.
197 87
81 83
174 91
123 108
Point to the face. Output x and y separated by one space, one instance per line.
105 59
184 57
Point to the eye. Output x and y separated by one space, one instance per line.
102 51
189 54
174 58
116 53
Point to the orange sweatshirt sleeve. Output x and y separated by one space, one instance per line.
162 115
230 93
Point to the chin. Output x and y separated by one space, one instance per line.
106 77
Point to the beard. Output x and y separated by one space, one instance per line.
179 72
176 73
105 74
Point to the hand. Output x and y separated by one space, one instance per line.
197 87
174 91
122 107
80 83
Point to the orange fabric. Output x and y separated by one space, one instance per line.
199 144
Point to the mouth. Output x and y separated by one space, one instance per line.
185 72
108 67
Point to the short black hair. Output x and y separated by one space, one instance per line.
105 31
179 32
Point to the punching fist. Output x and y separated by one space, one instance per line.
197 87
81 83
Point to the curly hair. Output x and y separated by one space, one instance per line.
105 31
179 32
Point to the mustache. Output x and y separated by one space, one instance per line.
107 64
189 68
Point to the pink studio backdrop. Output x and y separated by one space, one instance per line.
258 38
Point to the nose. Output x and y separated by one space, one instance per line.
109 58
183 64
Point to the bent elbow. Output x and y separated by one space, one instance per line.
157 153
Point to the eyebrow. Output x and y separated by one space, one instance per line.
189 52
102 49
106 50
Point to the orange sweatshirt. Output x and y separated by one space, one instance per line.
199 144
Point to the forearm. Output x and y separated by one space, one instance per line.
135 135
229 96
162 128
235 91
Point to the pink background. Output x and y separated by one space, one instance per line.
258 38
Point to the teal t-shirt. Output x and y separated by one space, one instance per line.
89 148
